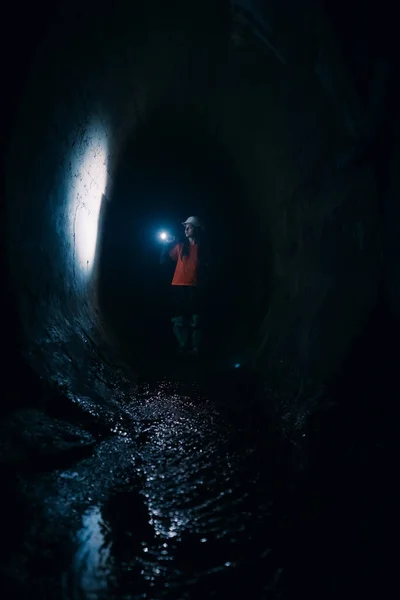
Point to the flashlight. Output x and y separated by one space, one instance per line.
165 237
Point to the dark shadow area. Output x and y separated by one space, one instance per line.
345 506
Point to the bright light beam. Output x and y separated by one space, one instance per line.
88 186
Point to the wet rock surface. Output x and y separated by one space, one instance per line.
172 504
179 483
182 497
32 435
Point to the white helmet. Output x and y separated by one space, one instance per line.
195 221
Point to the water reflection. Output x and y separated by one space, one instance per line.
91 563
182 513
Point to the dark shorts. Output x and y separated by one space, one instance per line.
186 301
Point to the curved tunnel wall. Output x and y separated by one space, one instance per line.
101 72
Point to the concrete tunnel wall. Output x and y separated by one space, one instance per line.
98 73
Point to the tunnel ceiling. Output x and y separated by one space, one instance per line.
267 80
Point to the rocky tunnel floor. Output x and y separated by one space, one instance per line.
173 503
167 492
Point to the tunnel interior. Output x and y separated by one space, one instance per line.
171 167
278 124
277 137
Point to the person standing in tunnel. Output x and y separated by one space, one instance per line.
188 285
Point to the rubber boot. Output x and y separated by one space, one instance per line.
181 332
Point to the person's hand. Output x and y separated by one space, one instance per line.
170 239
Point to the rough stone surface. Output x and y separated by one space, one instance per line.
31 435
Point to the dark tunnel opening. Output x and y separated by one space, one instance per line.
170 168
128 472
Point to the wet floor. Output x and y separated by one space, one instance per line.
180 499
174 504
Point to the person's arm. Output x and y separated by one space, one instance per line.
169 250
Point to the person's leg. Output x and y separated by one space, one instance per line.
196 320
180 319
195 325
181 332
